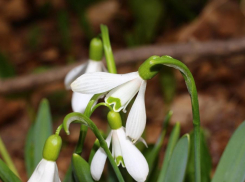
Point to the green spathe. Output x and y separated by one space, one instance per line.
147 69
114 120
52 147
115 101
96 49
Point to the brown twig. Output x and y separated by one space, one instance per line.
196 49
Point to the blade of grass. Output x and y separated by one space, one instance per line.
171 144
6 175
7 158
42 129
178 162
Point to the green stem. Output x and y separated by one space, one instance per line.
101 104
84 129
111 66
7 158
191 86
57 132
84 120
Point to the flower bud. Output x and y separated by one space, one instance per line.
52 147
114 120
96 49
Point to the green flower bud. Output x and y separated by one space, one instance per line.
114 120
96 49
148 70
52 147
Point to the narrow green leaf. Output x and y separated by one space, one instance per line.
6 175
152 153
68 175
81 169
29 152
231 167
171 144
42 130
178 162
206 161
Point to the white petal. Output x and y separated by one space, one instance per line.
142 140
135 162
74 73
116 148
136 121
80 101
98 82
45 171
98 161
124 93
94 66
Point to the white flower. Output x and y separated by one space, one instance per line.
80 101
125 153
122 88
46 171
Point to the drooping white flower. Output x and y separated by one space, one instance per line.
45 171
122 88
124 153
79 101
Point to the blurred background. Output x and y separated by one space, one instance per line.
39 37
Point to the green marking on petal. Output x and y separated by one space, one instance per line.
115 101
119 159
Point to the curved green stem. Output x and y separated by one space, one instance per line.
84 120
84 129
191 86
101 104
57 132
111 66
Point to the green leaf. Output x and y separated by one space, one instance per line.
147 15
178 162
231 167
152 153
81 169
6 175
42 130
206 161
171 144
29 152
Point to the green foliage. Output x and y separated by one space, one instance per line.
178 162
206 161
6 174
81 169
171 145
6 68
63 27
37 135
231 167
147 15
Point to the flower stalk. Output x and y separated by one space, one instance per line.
84 120
148 70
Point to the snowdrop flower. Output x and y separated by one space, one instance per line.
122 88
94 64
123 151
47 169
